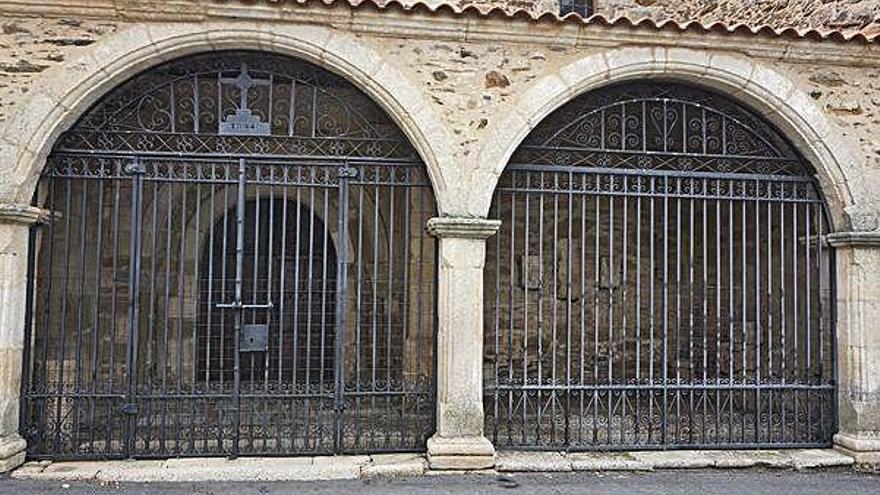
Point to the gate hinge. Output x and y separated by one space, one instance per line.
346 172
129 408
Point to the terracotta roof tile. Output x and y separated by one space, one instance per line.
869 34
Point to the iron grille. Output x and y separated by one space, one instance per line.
201 291
660 280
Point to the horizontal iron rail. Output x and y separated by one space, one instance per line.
671 154
233 158
666 387
646 172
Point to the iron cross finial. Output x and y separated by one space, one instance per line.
244 82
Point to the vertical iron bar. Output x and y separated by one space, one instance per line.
539 409
568 311
25 386
637 431
611 281
782 317
769 303
652 271
678 311
795 369
62 330
820 261
133 303
665 311
758 378
239 312
77 387
808 300
341 330
389 328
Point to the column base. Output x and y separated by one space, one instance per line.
460 453
12 452
864 448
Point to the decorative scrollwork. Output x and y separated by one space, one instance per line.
660 126
238 102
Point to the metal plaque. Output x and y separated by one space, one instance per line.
254 338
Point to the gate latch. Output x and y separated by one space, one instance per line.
346 172
128 408
254 338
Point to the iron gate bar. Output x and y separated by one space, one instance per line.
130 407
744 361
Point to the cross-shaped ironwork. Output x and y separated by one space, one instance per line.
244 82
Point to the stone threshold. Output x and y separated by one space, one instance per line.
798 459
408 465
220 469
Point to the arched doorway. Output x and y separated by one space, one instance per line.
660 281
235 264
299 341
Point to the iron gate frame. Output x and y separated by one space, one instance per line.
366 152
599 147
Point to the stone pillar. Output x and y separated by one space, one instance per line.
14 223
459 442
858 343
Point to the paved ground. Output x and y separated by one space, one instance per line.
709 482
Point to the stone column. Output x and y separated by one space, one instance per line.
14 223
858 343
459 442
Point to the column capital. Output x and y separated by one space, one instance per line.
463 228
11 213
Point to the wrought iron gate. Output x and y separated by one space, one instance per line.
660 281
231 282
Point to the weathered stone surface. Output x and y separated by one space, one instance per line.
394 465
212 469
532 462
400 465
460 453
13 279
460 345
685 459
607 461
811 459
747 459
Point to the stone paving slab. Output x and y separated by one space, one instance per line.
675 459
525 462
394 465
608 461
409 465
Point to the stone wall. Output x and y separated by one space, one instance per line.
31 45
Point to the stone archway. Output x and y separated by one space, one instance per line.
28 136
774 96
196 287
